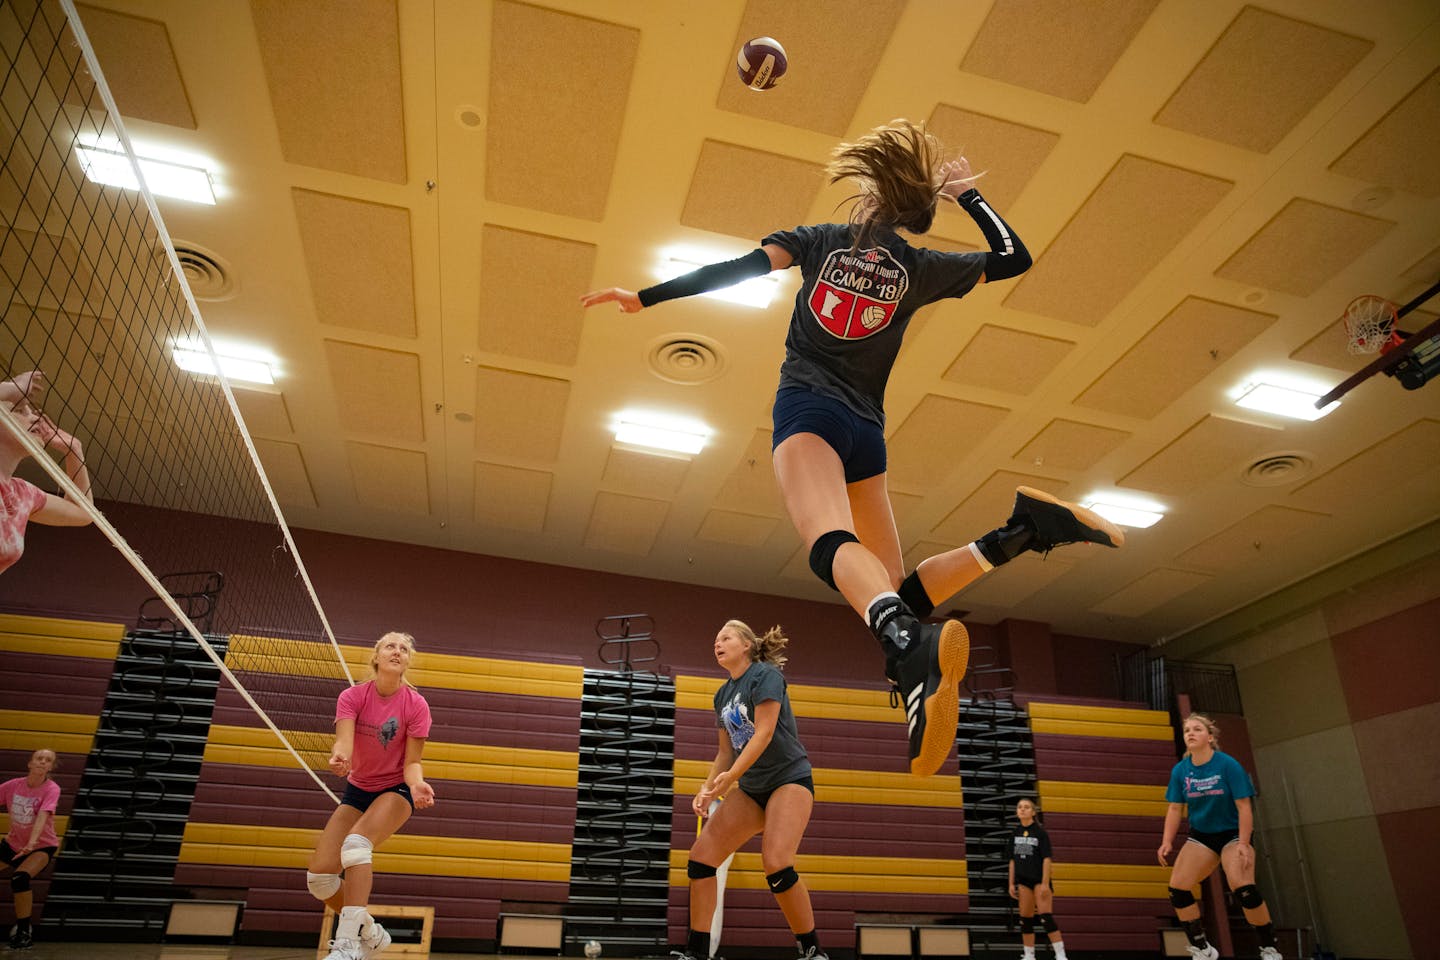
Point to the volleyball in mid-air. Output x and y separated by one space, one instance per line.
761 63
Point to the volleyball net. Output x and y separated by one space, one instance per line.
96 300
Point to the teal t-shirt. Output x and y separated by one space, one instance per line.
1210 791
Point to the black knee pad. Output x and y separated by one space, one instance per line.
782 879
822 555
699 871
912 591
1047 922
1027 925
1180 899
1249 897
19 881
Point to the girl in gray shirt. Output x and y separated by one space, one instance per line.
763 773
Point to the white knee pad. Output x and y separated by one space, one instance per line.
323 886
356 851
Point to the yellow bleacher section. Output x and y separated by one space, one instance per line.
1088 721
248 845
851 874
445 671
1136 799
807 700
62 638
1111 880
476 763
30 730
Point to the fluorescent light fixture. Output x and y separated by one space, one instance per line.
1125 516
194 358
164 178
661 433
755 292
1284 401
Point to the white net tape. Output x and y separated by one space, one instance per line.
1370 323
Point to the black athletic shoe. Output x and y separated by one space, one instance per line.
21 940
1055 522
926 675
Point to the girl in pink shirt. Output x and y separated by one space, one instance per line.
380 731
31 843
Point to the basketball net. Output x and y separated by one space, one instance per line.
1370 324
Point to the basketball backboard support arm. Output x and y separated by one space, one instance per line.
1388 361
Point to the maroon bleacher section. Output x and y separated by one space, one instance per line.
1104 923
54 684
752 918
466 908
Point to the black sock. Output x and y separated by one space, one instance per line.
1195 931
912 591
22 924
1266 933
807 942
699 944
1004 544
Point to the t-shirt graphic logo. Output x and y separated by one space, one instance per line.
857 292
387 732
737 723
23 808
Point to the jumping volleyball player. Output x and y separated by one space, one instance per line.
861 284
380 731
1217 791
763 772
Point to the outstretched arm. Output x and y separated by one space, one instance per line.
715 276
1008 256
66 512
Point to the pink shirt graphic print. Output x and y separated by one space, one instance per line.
25 803
383 725
18 500
857 292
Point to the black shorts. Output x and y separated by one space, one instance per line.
859 443
1216 842
11 859
361 799
762 797
1030 884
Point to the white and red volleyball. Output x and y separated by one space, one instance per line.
761 63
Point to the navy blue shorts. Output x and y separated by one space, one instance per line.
762 797
860 443
361 799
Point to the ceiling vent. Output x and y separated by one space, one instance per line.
687 358
210 277
1277 469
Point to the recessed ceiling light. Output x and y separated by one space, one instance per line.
651 432
1125 516
1282 401
194 358
164 178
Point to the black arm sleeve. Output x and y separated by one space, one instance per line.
1008 256
756 263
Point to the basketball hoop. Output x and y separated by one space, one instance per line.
1370 324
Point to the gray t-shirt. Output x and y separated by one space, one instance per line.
784 760
854 305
